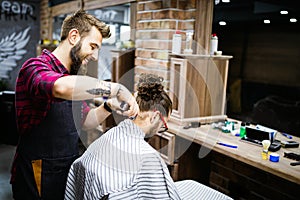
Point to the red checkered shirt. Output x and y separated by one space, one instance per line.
34 90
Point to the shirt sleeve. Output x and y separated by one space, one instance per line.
40 79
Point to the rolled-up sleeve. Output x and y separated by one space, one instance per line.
40 79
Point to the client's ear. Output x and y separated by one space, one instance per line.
154 117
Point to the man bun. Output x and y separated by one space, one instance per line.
150 87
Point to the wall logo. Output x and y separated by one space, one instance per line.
15 10
11 50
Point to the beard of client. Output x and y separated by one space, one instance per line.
122 165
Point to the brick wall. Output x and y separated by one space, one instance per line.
44 20
156 22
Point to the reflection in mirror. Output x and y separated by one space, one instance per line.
263 80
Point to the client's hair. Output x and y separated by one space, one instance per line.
151 94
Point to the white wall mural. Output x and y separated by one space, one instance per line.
12 49
19 36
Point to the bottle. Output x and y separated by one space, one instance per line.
176 42
188 43
213 44
243 130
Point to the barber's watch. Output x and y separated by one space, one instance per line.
106 107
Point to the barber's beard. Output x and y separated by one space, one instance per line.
76 58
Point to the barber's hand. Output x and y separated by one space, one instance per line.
123 102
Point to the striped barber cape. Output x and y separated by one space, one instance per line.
122 165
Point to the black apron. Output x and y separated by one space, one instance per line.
46 154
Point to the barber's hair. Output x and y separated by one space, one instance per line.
152 96
83 22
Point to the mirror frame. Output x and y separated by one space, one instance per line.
73 6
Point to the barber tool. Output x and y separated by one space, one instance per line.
227 145
295 163
192 125
289 144
124 106
287 135
275 145
266 144
292 156
133 117
272 132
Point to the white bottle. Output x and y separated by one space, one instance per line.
213 44
176 43
188 43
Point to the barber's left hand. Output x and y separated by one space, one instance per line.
124 103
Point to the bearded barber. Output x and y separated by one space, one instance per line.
50 108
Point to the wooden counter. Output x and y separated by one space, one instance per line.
247 153
238 172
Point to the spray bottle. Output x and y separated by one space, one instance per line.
176 42
213 44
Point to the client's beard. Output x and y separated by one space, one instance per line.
75 58
152 130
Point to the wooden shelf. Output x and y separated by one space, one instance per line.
198 87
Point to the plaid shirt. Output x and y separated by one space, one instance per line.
34 90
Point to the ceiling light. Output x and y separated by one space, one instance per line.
222 23
284 12
266 21
226 1
293 20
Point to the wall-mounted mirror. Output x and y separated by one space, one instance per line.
263 81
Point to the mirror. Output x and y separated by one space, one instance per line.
263 81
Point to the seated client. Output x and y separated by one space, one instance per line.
122 165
